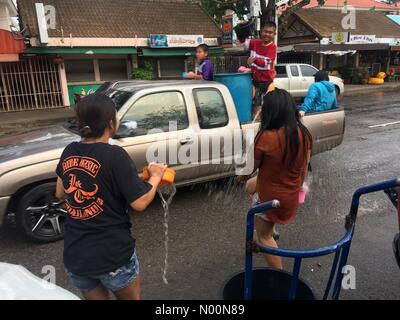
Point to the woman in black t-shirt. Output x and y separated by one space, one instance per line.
99 182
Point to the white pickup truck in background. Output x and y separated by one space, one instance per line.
297 79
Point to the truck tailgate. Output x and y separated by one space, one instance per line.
327 129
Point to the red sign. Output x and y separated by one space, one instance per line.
11 46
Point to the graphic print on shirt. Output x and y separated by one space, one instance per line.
267 61
200 68
82 201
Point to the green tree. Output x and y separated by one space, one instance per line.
217 8
144 72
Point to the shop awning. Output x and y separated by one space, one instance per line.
316 47
88 51
178 52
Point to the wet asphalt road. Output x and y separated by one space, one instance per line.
207 221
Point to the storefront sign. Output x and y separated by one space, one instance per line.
362 39
81 89
227 29
174 41
340 37
390 41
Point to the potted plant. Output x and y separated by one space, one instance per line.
361 75
145 72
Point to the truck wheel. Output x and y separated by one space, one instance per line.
40 216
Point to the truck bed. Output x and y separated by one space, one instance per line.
327 129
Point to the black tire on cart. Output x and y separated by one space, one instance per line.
40 216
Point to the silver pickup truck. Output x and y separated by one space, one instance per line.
199 110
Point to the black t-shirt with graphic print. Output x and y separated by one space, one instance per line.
100 181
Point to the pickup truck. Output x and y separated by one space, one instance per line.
201 111
297 78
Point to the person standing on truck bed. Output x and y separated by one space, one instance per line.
206 69
262 58
321 95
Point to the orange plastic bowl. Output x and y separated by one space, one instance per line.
167 179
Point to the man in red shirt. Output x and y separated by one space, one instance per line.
262 58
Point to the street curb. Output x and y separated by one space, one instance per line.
14 127
20 121
371 88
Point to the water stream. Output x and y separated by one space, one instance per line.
250 148
166 194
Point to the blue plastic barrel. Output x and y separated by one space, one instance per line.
241 89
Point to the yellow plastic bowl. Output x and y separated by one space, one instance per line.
376 81
167 179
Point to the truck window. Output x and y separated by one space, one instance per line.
294 70
308 71
211 109
119 97
155 112
281 72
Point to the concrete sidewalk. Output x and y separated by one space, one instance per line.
18 121
351 89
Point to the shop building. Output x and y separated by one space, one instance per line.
94 41
316 36
379 6
18 88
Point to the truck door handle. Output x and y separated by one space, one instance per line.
186 141
329 122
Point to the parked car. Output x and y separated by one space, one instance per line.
297 79
17 283
203 110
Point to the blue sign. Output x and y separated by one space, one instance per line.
175 40
158 41
227 29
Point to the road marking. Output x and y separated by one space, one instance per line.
384 124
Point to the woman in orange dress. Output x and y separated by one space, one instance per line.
282 154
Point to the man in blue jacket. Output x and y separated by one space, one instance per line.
321 96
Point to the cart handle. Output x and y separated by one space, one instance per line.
267 206
340 248
355 203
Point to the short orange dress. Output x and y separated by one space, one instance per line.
275 180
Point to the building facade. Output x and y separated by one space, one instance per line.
317 36
94 41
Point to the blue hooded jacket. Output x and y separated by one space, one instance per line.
320 97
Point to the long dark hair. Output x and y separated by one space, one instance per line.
94 113
279 110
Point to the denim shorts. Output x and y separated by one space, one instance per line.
113 281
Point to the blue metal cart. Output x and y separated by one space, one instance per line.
267 283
